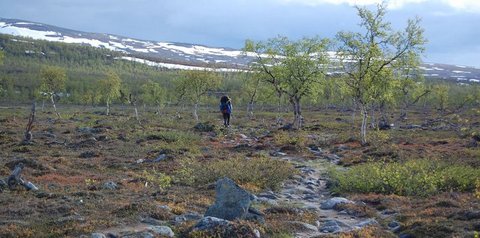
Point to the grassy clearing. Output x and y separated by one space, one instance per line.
411 178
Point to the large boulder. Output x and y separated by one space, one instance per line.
232 202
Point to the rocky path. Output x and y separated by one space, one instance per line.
308 190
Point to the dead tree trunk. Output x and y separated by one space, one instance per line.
28 137
52 95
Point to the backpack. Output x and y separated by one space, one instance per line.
224 107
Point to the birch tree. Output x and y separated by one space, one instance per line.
193 86
110 88
53 83
293 68
367 57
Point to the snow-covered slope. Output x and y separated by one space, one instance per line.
186 56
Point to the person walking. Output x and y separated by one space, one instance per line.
226 109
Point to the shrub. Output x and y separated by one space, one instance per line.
284 138
261 172
414 177
156 178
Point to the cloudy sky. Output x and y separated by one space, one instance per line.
452 26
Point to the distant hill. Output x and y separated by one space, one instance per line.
183 55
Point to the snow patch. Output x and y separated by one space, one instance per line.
176 66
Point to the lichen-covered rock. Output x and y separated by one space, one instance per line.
231 201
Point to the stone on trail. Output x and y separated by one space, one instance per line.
209 223
367 222
231 202
331 226
163 231
333 202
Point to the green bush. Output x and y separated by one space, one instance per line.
414 177
259 172
156 178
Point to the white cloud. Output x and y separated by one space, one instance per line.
462 5
392 4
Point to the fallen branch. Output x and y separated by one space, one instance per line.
15 179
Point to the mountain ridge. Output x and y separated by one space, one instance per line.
176 55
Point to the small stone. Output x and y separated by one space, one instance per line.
110 185
333 202
162 230
165 207
208 223
330 226
257 233
367 222
160 158
98 235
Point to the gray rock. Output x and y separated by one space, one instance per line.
160 158
257 233
165 207
330 226
187 217
110 185
332 202
231 201
162 231
98 235
277 154
255 215
367 222
394 226
208 223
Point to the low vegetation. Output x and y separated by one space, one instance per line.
410 178
257 173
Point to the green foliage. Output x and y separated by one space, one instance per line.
412 178
110 88
193 86
258 172
153 93
157 179
292 68
371 58
53 79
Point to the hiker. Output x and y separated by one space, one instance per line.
226 109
